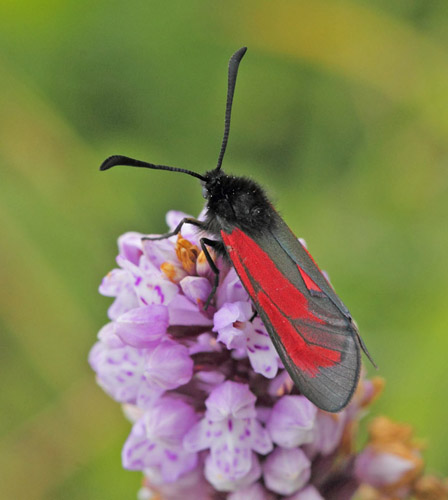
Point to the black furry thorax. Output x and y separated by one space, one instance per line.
234 201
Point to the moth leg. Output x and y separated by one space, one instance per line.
185 220
212 244
254 315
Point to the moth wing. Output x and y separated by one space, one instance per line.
309 325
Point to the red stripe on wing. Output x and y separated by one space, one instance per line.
281 301
245 252
308 281
239 267
308 357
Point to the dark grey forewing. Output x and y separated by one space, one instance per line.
290 244
286 239
332 387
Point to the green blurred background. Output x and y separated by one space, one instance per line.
341 111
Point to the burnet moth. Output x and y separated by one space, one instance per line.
312 330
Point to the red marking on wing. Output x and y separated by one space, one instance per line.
281 301
240 269
308 281
308 357
245 252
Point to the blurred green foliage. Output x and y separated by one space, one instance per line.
340 111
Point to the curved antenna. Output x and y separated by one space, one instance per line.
233 72
112 161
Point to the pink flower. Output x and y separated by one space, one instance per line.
222 482
379 468
208 396
230 430
327 433
292 421
140 376
286 470
155 443
143 326
238 330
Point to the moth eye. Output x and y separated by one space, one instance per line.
256 211
204 192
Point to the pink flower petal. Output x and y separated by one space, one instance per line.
221 483
230 399
261 351
130 246
184 312
196 289
231 290
380 468
168 365
286 470
159 251
292 421
327 433
188 231
143 326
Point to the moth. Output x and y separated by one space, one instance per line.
310 327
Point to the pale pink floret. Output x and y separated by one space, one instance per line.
155 442
230 430
143 326
379 468
238 330
140 376
286 471
292 421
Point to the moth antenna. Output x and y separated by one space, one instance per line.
112 161
233 72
